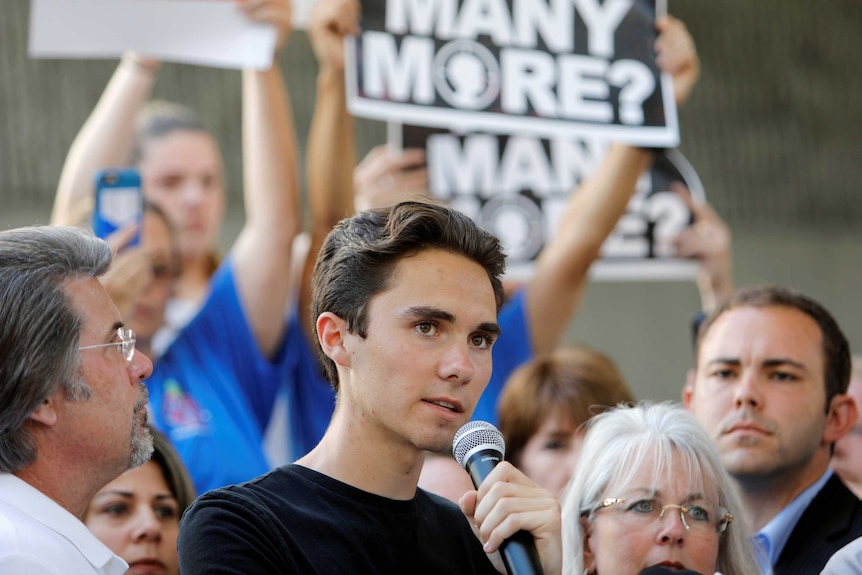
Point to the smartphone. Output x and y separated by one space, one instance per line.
119 202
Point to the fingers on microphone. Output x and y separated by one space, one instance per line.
510 502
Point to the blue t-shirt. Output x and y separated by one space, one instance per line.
511 349
311 399
212 391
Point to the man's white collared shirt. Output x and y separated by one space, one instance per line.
38 536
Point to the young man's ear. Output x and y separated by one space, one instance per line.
332 333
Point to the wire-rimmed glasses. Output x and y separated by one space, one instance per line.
695 518
125 346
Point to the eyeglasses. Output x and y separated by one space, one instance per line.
125 346
695 518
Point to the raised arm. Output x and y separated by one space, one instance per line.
555 291
708 240
105 140
331 152
262 251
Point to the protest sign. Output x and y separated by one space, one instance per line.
547 67
517 187
205 32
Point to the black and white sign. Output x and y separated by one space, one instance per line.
517 188
553 68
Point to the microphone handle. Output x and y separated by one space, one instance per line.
520 556
519 550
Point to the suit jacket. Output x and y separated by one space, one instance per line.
832 520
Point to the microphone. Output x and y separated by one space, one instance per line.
478 447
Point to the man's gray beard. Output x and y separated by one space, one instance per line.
142 439
142 446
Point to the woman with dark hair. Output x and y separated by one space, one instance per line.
137 515
544 405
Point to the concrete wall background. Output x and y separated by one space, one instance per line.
773 130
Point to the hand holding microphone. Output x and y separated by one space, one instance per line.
511 512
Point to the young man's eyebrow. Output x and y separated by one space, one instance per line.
426 312
488 327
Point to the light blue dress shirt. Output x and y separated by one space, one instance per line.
771 540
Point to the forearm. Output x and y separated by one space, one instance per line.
601 201
716 284
269 157
105 140
593 211
263 249
329 169
331 153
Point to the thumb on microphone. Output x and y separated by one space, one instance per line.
508 502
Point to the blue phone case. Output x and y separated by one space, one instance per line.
119 202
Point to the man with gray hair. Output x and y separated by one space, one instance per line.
72 403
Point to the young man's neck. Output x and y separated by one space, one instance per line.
366 461
765 496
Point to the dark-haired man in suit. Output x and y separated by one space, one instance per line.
771 389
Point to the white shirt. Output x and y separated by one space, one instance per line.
846 561
39 537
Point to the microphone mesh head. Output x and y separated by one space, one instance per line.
475 434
